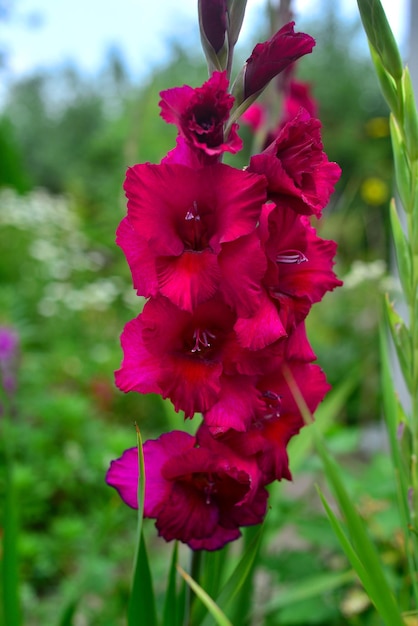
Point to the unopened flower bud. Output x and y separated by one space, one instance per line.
270 58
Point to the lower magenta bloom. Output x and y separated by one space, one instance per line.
197 495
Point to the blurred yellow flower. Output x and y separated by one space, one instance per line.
378 127
374 191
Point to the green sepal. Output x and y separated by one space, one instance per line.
401 339
403 251
410 115
216 61
387 84
401 162
236 12
380 36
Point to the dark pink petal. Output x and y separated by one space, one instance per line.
255 116
140 369
237 402
140 259
123 475
189 348
263 328
174 102
190 279
192 209
270 58
217 540
243 264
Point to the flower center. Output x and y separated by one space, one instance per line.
195 237
201 340
206 483
273 404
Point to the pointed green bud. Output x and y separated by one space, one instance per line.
379 34
401 339
410 115
402 167
403 251
386 82
236 11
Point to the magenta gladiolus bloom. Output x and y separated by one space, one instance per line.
176 353
200 115
276 419
297 169
199 238
198 495
270 58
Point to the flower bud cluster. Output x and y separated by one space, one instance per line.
230 266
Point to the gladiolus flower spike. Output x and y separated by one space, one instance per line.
230 266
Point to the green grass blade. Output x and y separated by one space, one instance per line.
68 613
214 610
371 570
361 551
141 606
170 600
9 561
212 574
236 580
325 416
309 588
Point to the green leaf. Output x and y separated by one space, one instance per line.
401 339
68 613
141 606
309 588
170 601
9 562
380 36
361 552
386 606
325 416
402 166
236 580
212 607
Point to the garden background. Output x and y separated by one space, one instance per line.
66 139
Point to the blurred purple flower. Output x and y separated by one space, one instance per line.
9 349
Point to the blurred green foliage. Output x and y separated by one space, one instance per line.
65 142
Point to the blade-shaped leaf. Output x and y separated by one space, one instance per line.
170 601
234 583
214 610
141 606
